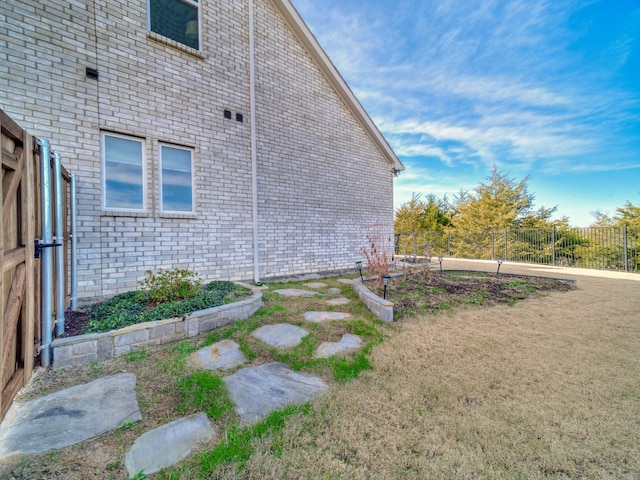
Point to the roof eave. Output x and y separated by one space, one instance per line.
304 34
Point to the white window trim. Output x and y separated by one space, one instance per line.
191 150
104 173
171 40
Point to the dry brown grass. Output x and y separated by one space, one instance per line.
548 388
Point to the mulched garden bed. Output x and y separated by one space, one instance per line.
424 291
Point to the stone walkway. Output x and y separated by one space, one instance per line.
76 414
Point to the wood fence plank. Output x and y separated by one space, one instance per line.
30 315
12 311
12 258
10 128
3 405
11 390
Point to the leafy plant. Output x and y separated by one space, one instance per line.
134 307
168 285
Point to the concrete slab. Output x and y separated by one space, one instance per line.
338 301
281 335
334 291
258 391
223 355
346 281
315 285
317 317
295 292
167 445
347 344
69 416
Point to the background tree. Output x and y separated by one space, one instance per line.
501 203
417 215
628 214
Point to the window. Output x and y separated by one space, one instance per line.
123 172
176 179
176 19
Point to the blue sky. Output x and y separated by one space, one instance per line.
545 88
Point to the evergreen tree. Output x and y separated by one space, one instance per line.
417 215
500 203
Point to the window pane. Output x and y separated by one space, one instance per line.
123 173
176 20
177 189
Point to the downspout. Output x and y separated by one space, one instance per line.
45 256
254 154
74 244
59 241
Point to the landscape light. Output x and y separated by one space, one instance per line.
500 260
440 260
385 281
359 267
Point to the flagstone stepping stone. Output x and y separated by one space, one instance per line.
223 355
317 317
338 301
167 445
334 291
315 285
347 344
281 335
346 281
69 416
295 292
258 391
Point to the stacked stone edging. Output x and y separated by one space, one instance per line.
84 349
381 308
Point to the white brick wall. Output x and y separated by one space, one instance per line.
321 178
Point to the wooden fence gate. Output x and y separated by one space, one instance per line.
19 283
20 279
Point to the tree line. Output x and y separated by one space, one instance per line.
500 202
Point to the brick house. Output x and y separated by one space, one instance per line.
214 135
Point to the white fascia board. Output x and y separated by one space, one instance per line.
304 34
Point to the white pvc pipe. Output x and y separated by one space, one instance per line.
46 300
254 153
59 239
74 244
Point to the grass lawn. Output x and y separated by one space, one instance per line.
546 387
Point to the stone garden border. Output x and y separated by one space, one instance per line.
84 349
383 309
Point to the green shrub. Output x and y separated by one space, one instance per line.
170 285
135 307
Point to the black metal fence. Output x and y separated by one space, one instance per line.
604 248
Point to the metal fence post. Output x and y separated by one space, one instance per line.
624 248
553 246
505 245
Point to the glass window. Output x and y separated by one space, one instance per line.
176 167
123 172
176 19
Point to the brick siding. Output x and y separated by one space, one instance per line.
321 178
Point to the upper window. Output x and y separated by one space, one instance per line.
123 172
177 20
176 180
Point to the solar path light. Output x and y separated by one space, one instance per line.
385 281
359 267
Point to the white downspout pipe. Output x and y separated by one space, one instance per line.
45 256
74 244
254 154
